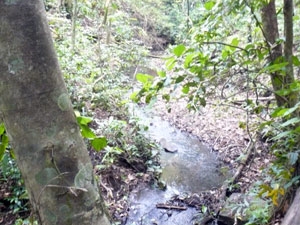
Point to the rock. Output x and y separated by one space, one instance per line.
167 146
228 213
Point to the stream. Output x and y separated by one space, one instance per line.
188 166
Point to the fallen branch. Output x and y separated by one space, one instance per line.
239 170
166 206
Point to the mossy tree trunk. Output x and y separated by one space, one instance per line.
40 122
271 34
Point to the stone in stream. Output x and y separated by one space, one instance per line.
167 146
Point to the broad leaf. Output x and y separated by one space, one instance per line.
144 78
209 5
99 143
84 120
87 132
161 74
178 51
275 67
296 61
185 89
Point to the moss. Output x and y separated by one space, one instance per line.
15 65
11 2
46 176
65 212
83 179
64 102
50 217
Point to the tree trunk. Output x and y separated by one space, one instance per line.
292 217
288 11
74 20
271 34
40 122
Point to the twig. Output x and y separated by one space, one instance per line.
96 81
222 43
156 56
166 206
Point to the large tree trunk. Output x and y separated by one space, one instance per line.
271 34
40 122
292 217
288 11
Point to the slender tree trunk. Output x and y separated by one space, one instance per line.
74 19
40 122
271 34
288 11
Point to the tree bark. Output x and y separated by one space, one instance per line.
292 217
288 11
40 122
271 34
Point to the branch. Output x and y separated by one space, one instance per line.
166 206
238 172
222 43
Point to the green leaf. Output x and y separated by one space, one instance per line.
209 5
144 78
99 143
2 151
84 120
203 102
166 97
188 59
296 61
291 110
278 112
283 92
3 146
224 54
178 51
282 135
275 67
148 98
179 79
161 74
133 95
295 180
185 89
171 63
2 128
86 131
293 157
12 153
235 42
290 122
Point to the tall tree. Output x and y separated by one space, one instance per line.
288 11
40 121
271 34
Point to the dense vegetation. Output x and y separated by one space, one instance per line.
215 52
